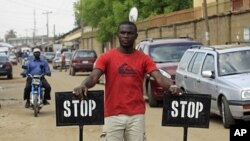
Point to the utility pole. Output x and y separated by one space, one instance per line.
54 32
47 14
26 36
206 22
81 22
34 30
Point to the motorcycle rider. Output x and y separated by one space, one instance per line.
37 66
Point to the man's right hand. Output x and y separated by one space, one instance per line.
23 74
81 91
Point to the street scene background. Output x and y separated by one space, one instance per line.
63 29
19 124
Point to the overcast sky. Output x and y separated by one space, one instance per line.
19 16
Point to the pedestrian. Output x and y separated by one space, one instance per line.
63 62
25 56
124 68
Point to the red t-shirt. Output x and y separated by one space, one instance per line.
124 74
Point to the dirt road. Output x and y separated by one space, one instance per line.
19 124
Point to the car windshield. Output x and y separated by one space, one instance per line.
67 55
3 59
85 54
168 52
234 63
51 54
12 54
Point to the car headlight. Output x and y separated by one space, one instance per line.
245 94
164 73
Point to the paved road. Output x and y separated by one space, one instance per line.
19 124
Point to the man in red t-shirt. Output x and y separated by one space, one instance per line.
124 69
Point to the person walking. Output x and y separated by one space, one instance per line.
63 63
124 68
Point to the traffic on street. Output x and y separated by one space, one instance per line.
17 122
122 70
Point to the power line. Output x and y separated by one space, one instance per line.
38 6
207 34
47 6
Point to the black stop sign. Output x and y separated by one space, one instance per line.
70 110
188 110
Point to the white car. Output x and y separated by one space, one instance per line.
57 62
12 58
224 73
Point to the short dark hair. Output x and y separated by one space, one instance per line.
128 23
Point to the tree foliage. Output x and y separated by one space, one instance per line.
10 34
105 15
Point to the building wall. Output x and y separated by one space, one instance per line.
223 28
198 3
88 41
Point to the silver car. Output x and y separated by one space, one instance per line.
12 58
57 62
222 71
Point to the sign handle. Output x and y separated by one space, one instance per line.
80 132
185 133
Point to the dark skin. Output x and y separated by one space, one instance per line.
127 35
37 55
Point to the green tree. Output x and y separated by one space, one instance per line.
105 15
152 7
10 34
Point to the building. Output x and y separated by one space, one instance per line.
29 41
224 5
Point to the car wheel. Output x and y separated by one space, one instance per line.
72 71
152 102
54 67
226 115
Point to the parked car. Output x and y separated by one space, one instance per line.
68 57
166 53
82 61
4 50
57 61
49 56
12 58
222 71
5 67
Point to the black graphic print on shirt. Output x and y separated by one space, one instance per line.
125 69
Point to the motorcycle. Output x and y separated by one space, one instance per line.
36 95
